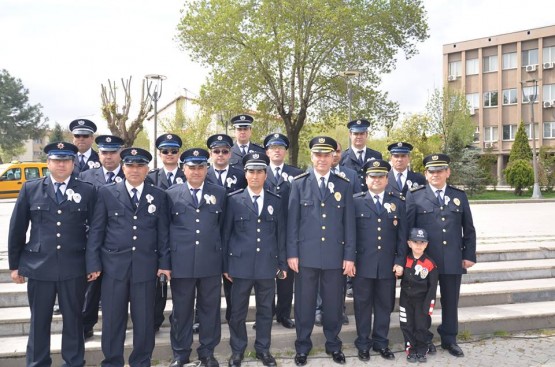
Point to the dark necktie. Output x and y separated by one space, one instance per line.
439 199
399 182
59 195
220 176
360 157
243 149
170 175
255 203
322 187
81 161
276 175
110 177
194 195
378 204
135 198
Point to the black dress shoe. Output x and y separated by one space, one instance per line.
287 323
235 360
209 361
196 328
453 349
178 363
337 356
432 348
267 359
300 359
385 353
364 355
88 334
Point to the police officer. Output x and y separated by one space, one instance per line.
110 171
443 211
59 208
320 247
197 211
254 247
400 178
128 243
355 156
278 180
345 171
168 146
243 145
381 250
87 158
231 178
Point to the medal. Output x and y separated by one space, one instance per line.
337 196
423 273
457 201
270 209
393 206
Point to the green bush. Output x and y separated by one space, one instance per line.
519 174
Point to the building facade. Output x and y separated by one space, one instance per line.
500 75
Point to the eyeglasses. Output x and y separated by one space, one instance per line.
168 151
222 151
77 136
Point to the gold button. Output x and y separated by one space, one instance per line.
277 187
259 221
323 239
198 220
134 217
38 207
197 242
379 237
198 210
323 215
379 247
58 235
444 230
116 214
445 242
134 227
257 249
59 223
443 219
134 237
322 204
198 230
379 229
133 248
258 240
176 213
258 230
379 220
59 211
58 247
323 227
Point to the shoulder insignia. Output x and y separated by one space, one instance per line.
154 170
397 195
304 174
342 176
359 194
456 188
273 194
235 192
413 189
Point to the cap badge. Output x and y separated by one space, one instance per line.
169 137
255 156
435 158
359 122
276 136
321 140
134 152
108 140
376 164
242 118
220 137
399 144
420 233
60 145
196 153
81 122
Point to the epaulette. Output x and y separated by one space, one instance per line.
397 195
235 192
456 188
359 194
342 175
304 174
156 187
273 194
257 145
413 189
79 180
154 170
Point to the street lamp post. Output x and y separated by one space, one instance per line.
348 75
154 94
536 193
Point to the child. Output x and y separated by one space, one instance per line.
418 293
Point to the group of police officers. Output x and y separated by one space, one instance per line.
105 229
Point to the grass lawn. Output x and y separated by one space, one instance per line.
508 195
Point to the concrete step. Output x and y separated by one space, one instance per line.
473 320
510 270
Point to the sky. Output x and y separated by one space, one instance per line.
63 50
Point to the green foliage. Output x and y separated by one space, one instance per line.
519 174
142 141
488 165
19 120
283 58
521 148
546 160
468 172
57 133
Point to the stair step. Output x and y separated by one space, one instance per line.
510 270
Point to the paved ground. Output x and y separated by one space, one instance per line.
519 350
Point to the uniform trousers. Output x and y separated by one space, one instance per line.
92 303
116 297
373 296
160 304
415 323
227 293
42 295
450 286
208 299
264 292
331 291
284 299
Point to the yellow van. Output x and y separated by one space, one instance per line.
14 174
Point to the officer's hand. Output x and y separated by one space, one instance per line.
467 264
226 275
398 270
93 276
349 268
293 263
167 273
284 274
16 277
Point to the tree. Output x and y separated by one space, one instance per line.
546 160
57 133
19 120
519 174
118 118
468 172
283 58
521 148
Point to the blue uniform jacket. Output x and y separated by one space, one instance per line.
236 159
353 178
97 178
159 179
123 236
350 160
195 234
56 247
321 234
92 162
254 246
283 186
450 228
235 179
413 181
381 237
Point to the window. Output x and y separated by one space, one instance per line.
477 134
45 171
549 92
509 132
491 133
31 173
473 100
509 96
13 174
490 99
490 64
549 129
549 54
530 57
472 67
455 68
509 61
529 131
527 92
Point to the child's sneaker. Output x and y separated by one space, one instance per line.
421 358
411 358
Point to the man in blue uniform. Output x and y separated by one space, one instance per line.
358 154
59 208
83 131
381 250
321 242
196 219
243 145
128 243
443 211
254 247
110 171
278 180
400 178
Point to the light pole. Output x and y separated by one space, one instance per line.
348 75
155 95
536 193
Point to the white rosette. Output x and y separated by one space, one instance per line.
76 197
69 193
388 207
409 183
231 181
179 180
149 198
90 164
118 179
270 209
331 186
151 208
96 165
447 199
285 176
207 198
